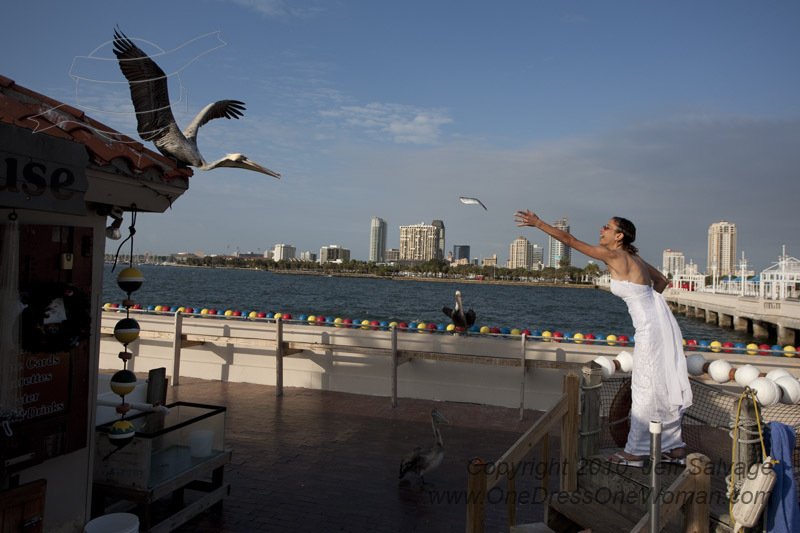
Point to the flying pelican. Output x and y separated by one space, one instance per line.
422 460
460 318
150 96
472 201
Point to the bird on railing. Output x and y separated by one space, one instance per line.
155 121
460 319
423 460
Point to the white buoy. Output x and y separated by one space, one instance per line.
777 373
720 371
625 360
606 365
790 389
767 392
746 374
695 363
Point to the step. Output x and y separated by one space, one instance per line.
578 511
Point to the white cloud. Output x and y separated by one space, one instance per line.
400 123
279 8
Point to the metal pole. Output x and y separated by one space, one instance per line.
394 366
523 338
655 459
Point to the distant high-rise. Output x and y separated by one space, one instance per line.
520 254
333 253
439 224
673 262
377 240
721 248
460 251
560 253
392 255
419 242
283 252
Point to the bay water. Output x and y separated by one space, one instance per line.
564 309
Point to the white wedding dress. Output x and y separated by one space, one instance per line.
660 389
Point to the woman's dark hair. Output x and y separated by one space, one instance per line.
628 231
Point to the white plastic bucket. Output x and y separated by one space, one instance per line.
113 523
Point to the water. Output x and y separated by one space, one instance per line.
568 310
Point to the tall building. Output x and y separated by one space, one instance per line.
308 256
461 251
419 242
439 224
392 255
283 252
560 254
333 253
520 254
673 262
721 248
538 257
377 240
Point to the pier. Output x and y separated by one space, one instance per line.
761 318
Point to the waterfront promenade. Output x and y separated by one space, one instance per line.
762 318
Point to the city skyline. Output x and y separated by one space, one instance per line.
666 114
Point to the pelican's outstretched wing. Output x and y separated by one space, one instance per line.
472 201
148 85
221 109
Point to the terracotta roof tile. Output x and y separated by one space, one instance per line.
28 109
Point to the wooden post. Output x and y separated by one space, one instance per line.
590 410
569 435
511 497
697 512
522 384
394 366
177 339
476 496
546 462
278 357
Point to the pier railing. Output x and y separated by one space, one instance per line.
175 340
482 477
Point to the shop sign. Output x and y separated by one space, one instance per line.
41 172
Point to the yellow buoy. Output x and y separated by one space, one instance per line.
715 346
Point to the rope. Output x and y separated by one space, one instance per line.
747 393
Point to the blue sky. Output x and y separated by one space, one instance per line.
673 114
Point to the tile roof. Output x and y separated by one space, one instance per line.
28 109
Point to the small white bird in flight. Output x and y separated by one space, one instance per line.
472 201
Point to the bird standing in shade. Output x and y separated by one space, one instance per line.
421 461
155 121
460 318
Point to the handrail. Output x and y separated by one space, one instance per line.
480 482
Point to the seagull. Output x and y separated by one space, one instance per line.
458 316
421 461
150 97
472 201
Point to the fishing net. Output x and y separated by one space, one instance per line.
707 424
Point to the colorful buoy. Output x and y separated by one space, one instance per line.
121 432
130 279
126 331
123 382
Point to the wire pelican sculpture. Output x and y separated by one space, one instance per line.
423 460
155 121
460 318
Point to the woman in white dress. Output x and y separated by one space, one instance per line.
660 388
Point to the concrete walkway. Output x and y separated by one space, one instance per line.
327 461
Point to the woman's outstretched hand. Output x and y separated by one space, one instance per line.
526 218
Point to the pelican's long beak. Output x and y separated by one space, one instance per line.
252 165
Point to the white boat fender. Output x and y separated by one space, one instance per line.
753 495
